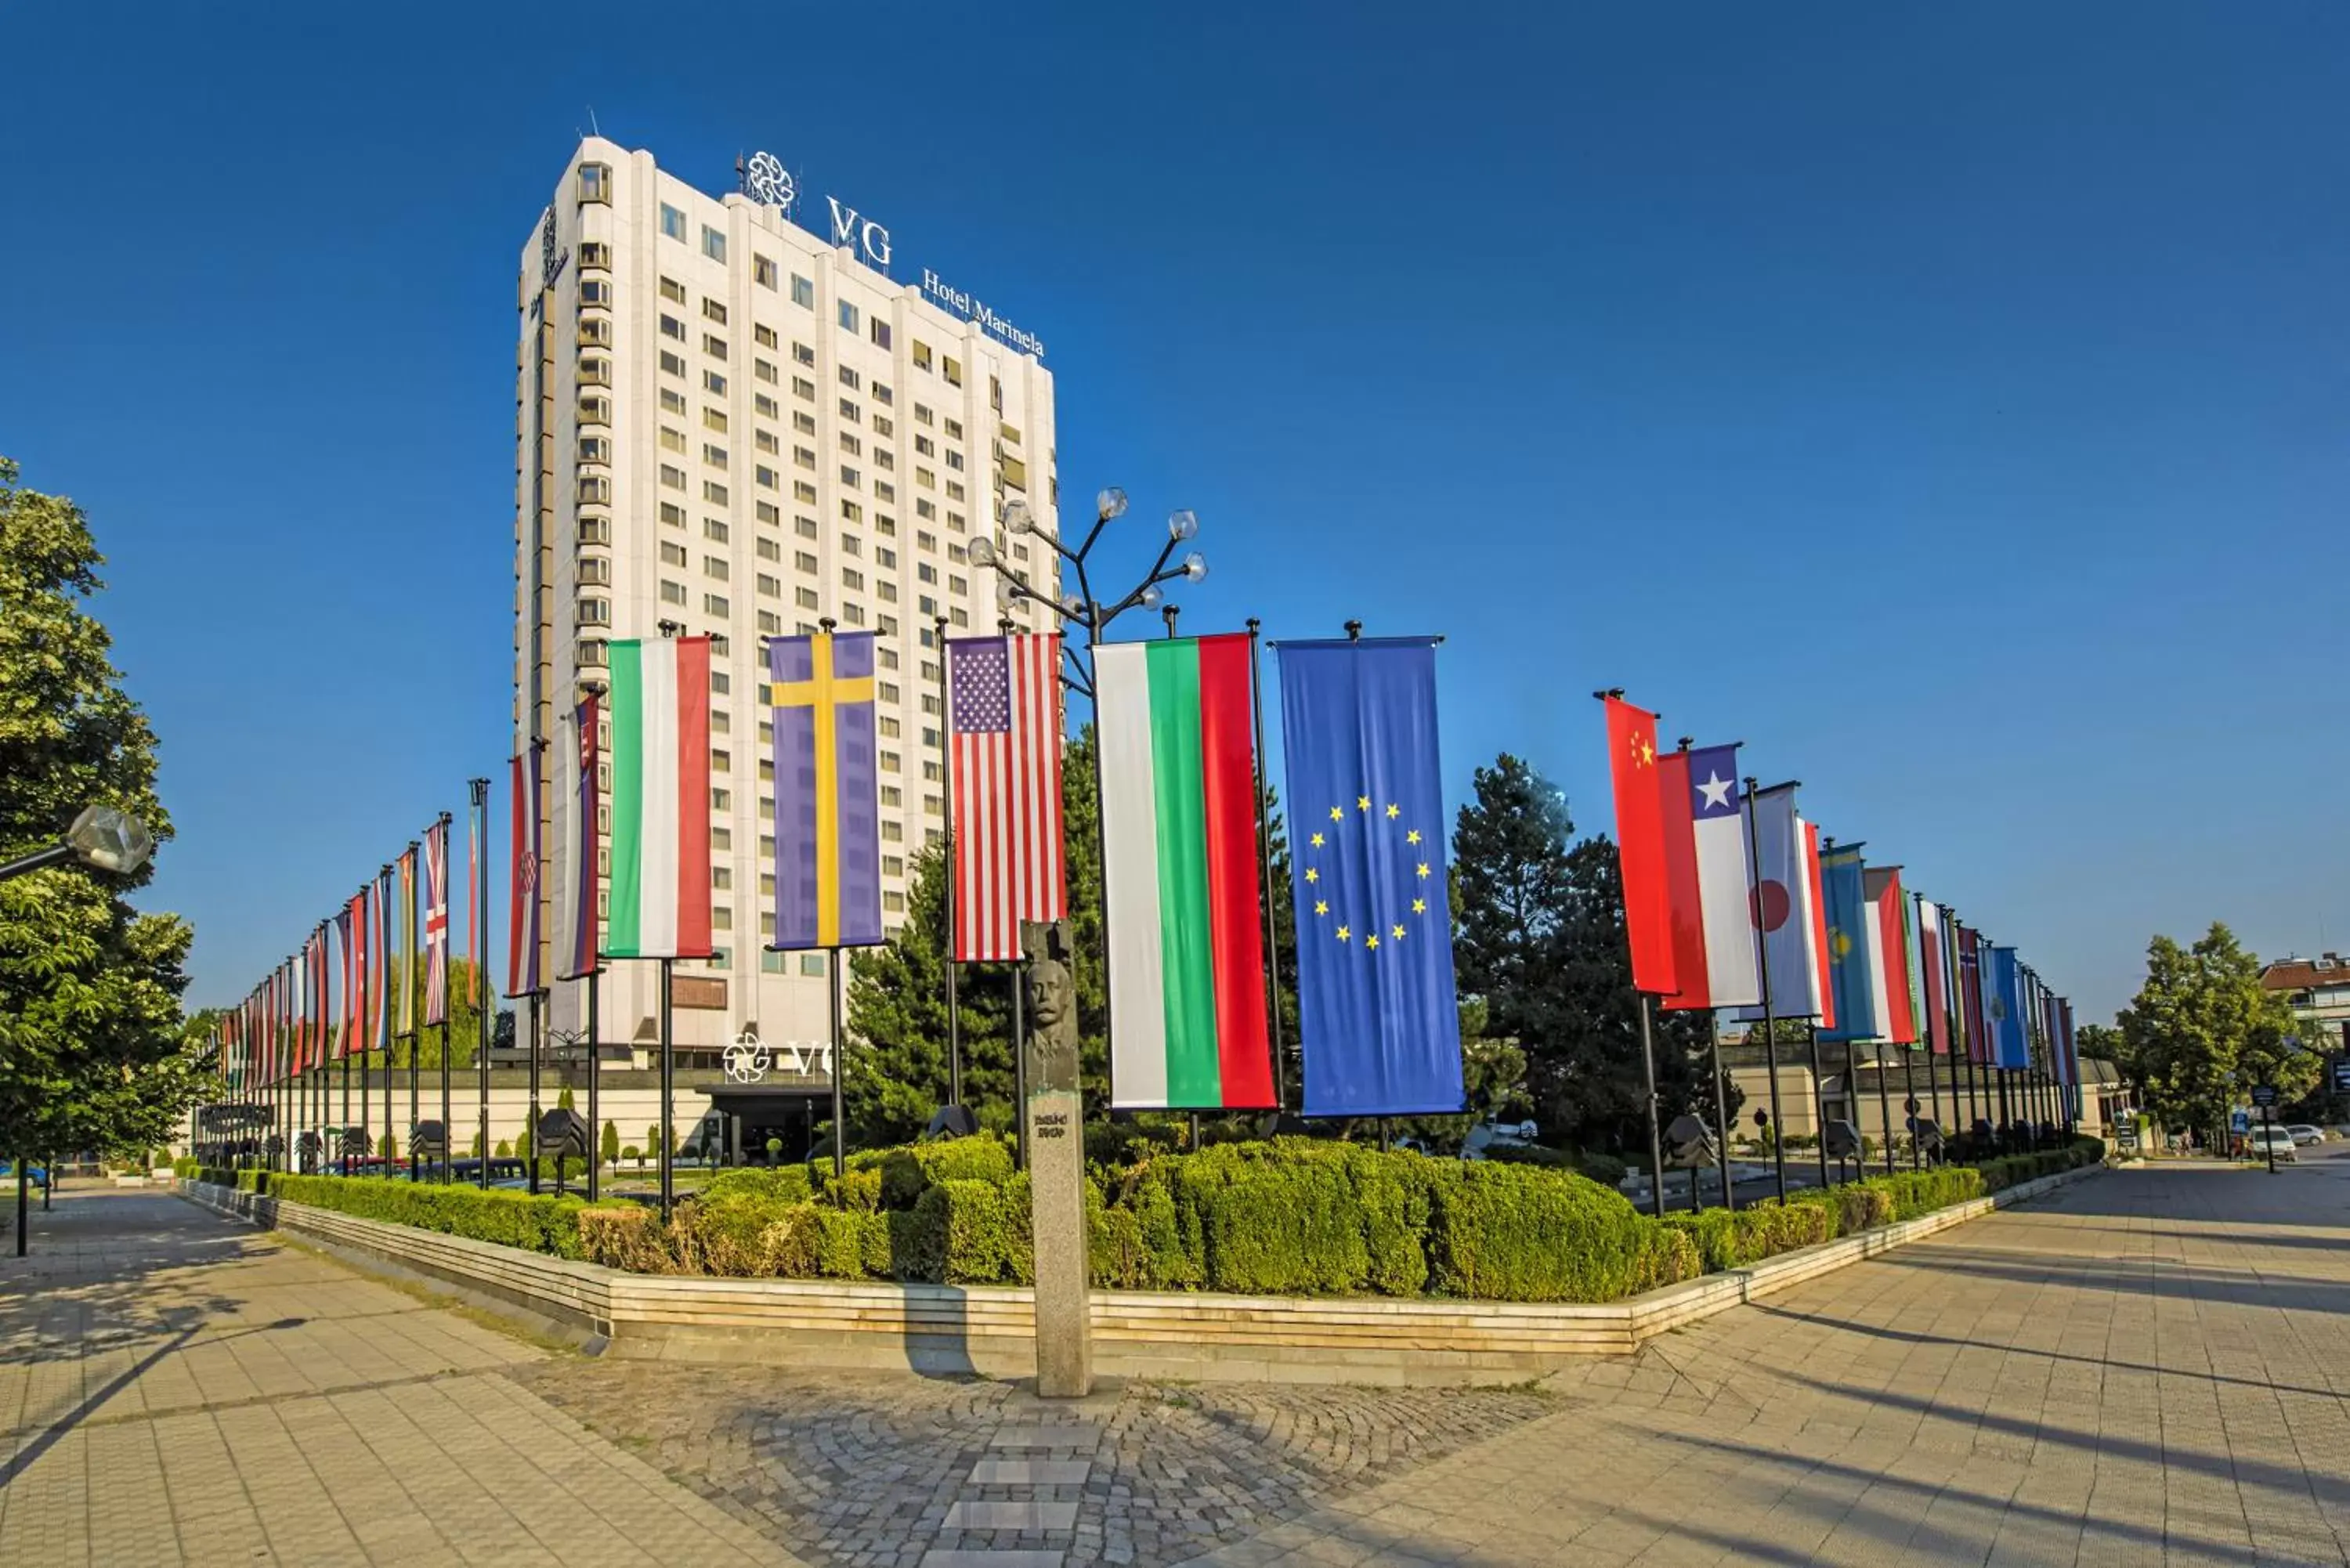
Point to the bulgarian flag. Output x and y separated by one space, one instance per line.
1180 869
660 799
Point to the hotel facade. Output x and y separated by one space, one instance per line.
731 423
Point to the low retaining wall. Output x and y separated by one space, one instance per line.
989 1330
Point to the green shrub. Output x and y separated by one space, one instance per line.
976 1232
1517 1233
624 1235
541 1224
786 1183
1918 1192
908 1172
1725 1240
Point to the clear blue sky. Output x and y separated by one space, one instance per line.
1946 401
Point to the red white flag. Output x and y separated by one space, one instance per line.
1003 703
1640 846
1822 961
436 922
1709 902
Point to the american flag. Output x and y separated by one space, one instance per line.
436 922
1004 734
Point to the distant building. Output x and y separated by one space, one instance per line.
2318 989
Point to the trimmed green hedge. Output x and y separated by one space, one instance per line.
1289 1216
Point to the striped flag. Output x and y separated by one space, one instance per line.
661 798
1180 868
406 867
1824 974
575 911
1929 970
380 930
524 902
827 791
436 922
1882 917
1004 702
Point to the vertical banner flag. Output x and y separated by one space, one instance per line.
477 832
1886 918
2007 1009
347 982
1936 992
828 792
1783 906
576 943
1971 1020
2068 1055
660 905
1003 728
1180 871
406 914
1640 846
436 923
1850 963
524 901
1824 978
379 1032
1375 987
1709 906
363 972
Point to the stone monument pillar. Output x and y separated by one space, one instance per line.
1054 1133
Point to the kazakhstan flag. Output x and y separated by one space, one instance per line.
1375 990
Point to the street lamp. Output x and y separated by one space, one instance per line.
1083 607
101 838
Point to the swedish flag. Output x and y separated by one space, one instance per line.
1375 987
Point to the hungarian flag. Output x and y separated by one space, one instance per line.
1929 970
523 899
1885 920
1003 733
828 792
1180 869
661 798
575 912
1708 903
1640 846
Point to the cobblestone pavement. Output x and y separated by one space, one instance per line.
177 1388
2149 1367
894 1470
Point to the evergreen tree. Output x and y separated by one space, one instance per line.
609 1146
98 1056
1540 943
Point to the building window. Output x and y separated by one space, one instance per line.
802 354
713 454
594 372
715 419
713 345
722 877
674 291
803 387
806 599
715 605
922 355
714 529
672 401
672 593
671 440
803 292
713 244
673 514
849 378
882 395
672 364
765 477
590 653
764 337
955 372
763 271
851 411
880 332
712 382
596 182
764 371
672 221
715 566
673 478
672 555
595 411
594 253
713 493
848 316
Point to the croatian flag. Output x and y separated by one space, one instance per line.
1707 898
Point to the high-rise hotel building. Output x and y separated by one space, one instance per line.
728 423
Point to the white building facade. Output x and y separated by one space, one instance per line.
730 423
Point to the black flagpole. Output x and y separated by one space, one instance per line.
1720 1101
531 1126
480 832
839 1099
1820 1096
448 906
595 1075
1264 860
1655 1137
343 1152
415 1039
668 1090
954 976
1770 1026
1908 1105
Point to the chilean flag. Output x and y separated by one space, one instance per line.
1708 902
1822 960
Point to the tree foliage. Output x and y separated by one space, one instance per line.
1539 942
2202 1031
98 1054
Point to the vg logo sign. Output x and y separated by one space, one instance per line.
850 227
765 181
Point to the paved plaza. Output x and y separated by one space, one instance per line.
2147 1365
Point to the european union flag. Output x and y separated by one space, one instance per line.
1374 988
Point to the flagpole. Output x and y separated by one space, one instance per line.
1820 1096
448 906
668 1088
1656 1137
1714 1058
1265 862
415 1031
481 837
1770 1026
947 773
839 1098
595 1075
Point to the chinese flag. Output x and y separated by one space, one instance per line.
1640 843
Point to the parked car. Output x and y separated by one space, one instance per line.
38 1175
2263 1142
2303 1133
